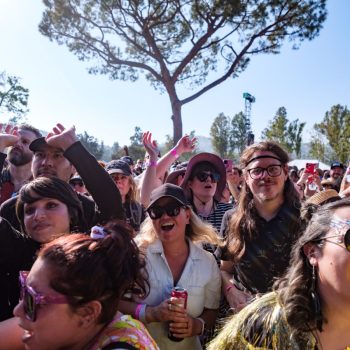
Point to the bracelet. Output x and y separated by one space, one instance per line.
142 313
174 153
138 310
203 325
152 163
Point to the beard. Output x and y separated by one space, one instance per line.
18 157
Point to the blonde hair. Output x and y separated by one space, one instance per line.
131 195
196 231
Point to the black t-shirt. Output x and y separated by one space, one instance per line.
266 256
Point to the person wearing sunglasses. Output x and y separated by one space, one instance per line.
310 306
263 226
69 299
173 259
204 183
122 175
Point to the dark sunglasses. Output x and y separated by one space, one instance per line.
157 212
203 176
31 299
77 183
345 238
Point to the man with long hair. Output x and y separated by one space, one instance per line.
263 226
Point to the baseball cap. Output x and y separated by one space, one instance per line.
118 166
168 190
38 144
337 164
128 160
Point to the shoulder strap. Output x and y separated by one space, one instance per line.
119 345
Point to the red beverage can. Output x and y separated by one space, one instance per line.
179 293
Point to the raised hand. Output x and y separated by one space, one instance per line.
8 136
60 137
150 145
185 145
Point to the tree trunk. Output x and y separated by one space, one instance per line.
177 120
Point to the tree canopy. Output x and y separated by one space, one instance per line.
199 43
336 128
288 134
13 97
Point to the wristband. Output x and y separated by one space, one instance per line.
142 313
203 325
138 310
152 163
174 153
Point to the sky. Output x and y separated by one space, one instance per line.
307 82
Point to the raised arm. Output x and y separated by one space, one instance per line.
184 145
99 184
8 137
149 182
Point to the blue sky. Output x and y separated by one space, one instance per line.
307 82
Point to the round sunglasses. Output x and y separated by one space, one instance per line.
32 299
157 212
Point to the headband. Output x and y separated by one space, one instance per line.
260 157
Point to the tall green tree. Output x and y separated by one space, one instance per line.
318 146
136 149
92 144
13 97
220 134
294 135
277 129
288 134
336 128
238 133
199 43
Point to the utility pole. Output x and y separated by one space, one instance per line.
248 100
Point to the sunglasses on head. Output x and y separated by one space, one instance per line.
342 238
202 176
157 212
31 299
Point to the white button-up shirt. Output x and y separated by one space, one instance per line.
200 277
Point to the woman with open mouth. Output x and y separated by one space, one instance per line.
173 259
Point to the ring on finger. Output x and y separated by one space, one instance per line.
169 307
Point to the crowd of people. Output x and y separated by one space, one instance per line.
164 254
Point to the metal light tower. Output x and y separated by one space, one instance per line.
248 100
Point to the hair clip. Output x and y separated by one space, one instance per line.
98 232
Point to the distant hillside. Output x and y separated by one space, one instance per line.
204 144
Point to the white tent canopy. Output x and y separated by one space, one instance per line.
300 163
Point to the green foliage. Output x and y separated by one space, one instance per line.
239 132
229 135
287 134
336 128
318 146
92 144
171 42
13 97
220 135
136 149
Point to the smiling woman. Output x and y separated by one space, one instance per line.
46 209
173 259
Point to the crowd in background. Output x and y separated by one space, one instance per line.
93 250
